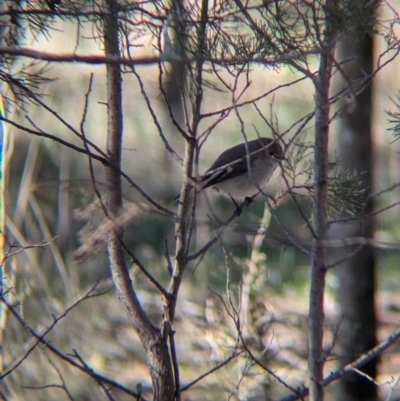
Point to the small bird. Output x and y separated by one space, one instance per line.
230 174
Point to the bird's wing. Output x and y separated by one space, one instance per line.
218 174
232 162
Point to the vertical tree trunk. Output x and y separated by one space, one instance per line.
153 342
175 82
318 271
174 89
320 205
357 274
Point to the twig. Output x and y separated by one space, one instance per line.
101 159
349 368
234 355
89 372
96 59
88 294
175 365
85 144
143 269
210 243
155 120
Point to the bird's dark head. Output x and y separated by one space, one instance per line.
273 148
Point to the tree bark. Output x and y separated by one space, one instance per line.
357 274
322 84
318 270
153 342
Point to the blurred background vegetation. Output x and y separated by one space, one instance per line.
49 186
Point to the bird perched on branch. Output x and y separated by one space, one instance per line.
242 170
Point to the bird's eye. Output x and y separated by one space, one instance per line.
272 152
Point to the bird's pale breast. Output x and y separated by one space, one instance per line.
243 185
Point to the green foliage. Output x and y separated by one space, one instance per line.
394 118
346 194
357 14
